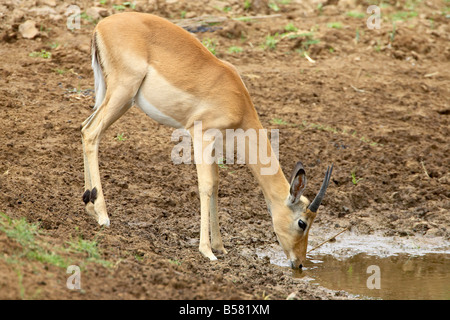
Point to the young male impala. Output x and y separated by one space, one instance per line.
145 60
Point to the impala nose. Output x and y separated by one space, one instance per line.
294 265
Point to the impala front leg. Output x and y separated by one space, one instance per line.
205 187
216 238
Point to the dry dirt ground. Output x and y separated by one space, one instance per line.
373 102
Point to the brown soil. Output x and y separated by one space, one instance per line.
375 102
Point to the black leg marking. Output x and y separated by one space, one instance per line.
87 196
93 195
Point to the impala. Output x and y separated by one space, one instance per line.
146 60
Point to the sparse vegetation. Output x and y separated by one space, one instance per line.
273 6
271 42
121 137
247 4
222 163
355 180
403 15
235 49
89 247
42 54
354 14
33 245
175 262
334 25
290 27
210 44
59 71
278 121
307 41
25 234
392 33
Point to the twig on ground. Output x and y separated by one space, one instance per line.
356 89
424 169
207 20
332 238
309 58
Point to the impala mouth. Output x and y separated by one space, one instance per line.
319 197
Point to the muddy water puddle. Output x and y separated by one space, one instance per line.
377 267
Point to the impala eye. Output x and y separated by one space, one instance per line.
302 224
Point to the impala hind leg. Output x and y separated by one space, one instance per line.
112 108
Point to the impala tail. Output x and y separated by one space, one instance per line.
100 85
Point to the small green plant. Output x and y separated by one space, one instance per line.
89 247
121 137
392 33
138 257
306 42
247 4
234 49
210 44
226 9
183 14
54 45
25 234
119 7
175 262
19 230
59 71
350 270
403 15
357 35
89 19
290 28
222 163
42 54
130 5
354 14
320 8
355 181
103 2
278 121
271 42
377 47
273 6
334 25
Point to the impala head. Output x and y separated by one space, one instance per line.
293 219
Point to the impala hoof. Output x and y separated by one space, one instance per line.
104 221
207 253
220 249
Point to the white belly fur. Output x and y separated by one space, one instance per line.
161 101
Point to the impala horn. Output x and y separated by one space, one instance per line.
318 199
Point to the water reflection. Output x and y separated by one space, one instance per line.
401 276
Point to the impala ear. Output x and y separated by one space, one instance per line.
298 183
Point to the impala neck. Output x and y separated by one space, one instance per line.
269 175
